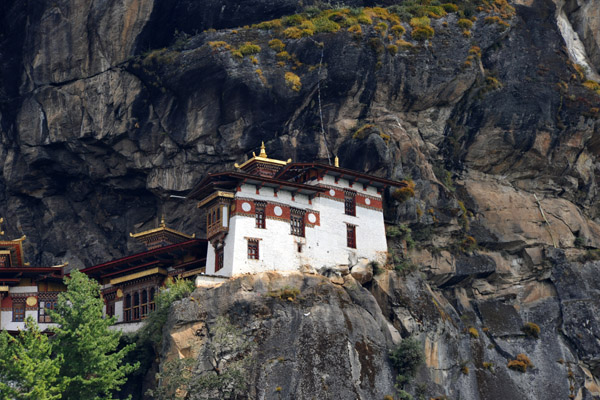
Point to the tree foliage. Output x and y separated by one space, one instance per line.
92 363
81 361
406 359
27 370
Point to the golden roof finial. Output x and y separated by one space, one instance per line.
1 231
263 153
162 221
336 162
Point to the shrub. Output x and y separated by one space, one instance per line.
403 44
465 24
406 359
249 48
324 24
398 30
218 45
487 365
473 332
492 83
595 86
392 49
364 19
403 232
449 7
403 194
420 22
355 29
422 33
292 20
521 363
277 45
465 370
436 11
267 25
293 33
377 45
283 55
531 329
382 28
286 293
293 81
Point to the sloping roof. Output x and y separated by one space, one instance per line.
163 256
294 170
230 180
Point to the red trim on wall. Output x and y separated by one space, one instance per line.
6 302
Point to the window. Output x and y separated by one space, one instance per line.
349 202
213 218
299 247
127 308
259 207
252 249
218 259
136 306
19 311
152 304
351 236
110 308
297 222
43 316
144 304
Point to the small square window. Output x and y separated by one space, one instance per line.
219 259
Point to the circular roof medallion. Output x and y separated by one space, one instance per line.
367 201
246 206
312 218
31 301
331 192
278 211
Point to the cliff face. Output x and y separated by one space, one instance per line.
109 108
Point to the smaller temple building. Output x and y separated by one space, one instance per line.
130 284
26 290
277 215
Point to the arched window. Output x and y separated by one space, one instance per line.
127 308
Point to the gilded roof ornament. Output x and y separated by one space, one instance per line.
1 222
262 156
336 162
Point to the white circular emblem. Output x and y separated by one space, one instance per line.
278 211
331 192
367 201
246 206
312 218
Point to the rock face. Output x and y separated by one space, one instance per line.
326 341
108 108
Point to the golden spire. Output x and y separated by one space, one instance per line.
1 231
263 153
336 162
162 221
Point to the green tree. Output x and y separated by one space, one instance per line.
27 370
93 366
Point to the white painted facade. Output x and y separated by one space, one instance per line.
323 245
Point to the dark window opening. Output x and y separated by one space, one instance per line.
351 236
18 312
253 249
259 212
297 222
219 259
349 202
127 308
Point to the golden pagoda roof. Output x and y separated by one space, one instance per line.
161 228
262 157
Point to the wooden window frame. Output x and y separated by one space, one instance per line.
152 299
297 225
351 236
17 306
350 202
43 317
253 249
219 258
127 308
260 214
144 303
